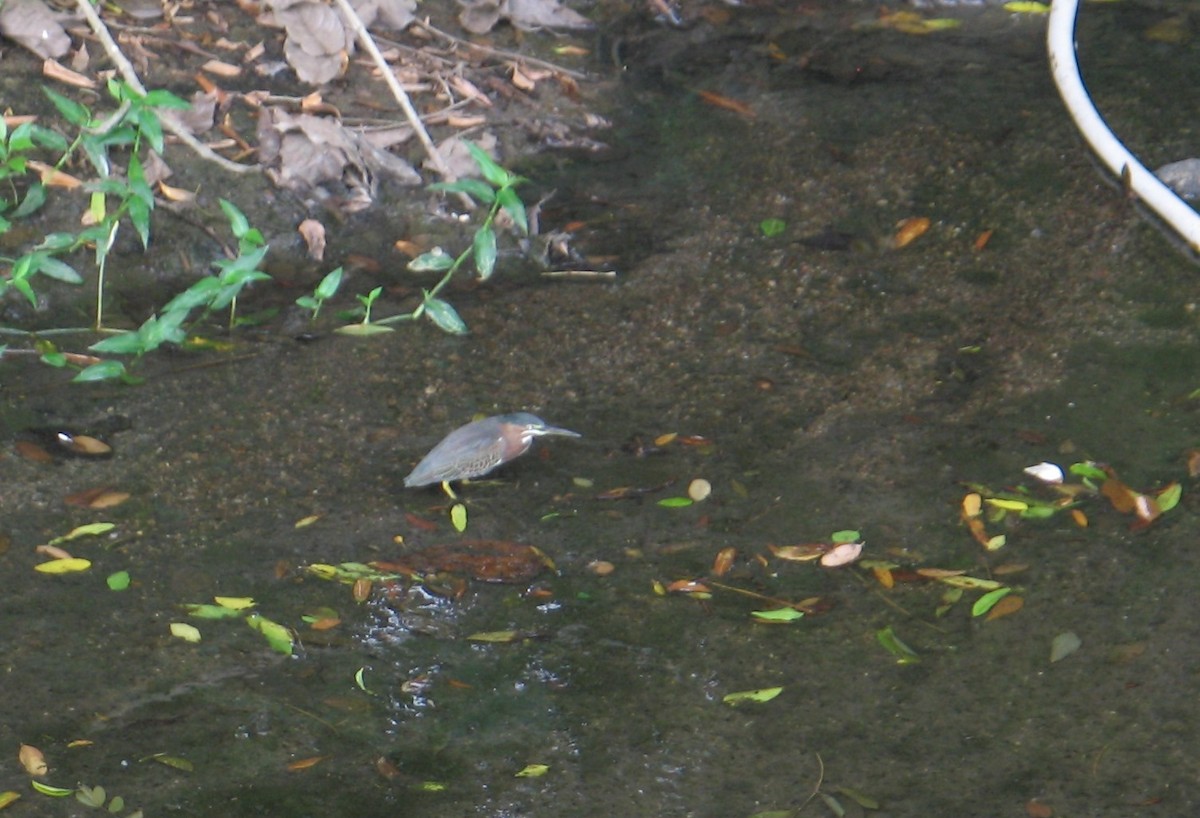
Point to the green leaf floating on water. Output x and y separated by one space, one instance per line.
757 696
890 641
778 615
201 611
277 636
458 517
988 601
772 227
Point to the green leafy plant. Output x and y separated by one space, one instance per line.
324 291
497 190
213 292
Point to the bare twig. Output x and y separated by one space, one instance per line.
368 44
501 53
582 275
168 119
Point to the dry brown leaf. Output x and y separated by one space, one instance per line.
522 80
361 590
798 553
909 230
727 103
1036 809
84 445
305 763
938 573
688 586
176 194
32 24
469 90
53 551
81 59
57 71
1008 605
32 760
32 451
601 568
724 561
1123 498
408 248
222 69
53 177
313 233
109 499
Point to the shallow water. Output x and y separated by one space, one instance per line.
839 388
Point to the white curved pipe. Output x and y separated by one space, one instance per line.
1060 41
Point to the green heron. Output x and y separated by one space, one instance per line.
477 448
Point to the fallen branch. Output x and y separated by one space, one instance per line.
410 113
129 74
1060 42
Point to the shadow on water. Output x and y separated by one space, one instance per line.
840 384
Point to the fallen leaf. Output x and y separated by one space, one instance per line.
313 233
360 591
798 553
1036 809
727 103
688 586
1064 645
32 760
35 26
51 176
222 69
756 696
32 452
842 554
909 230
52 69
84 445
601 568
724 561
699 489
1006 606
68 565
305 763
186 632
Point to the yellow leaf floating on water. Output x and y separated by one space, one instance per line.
1027 7
758 696
186 632
533 771
67 565
8 797
909 22
234 603
458 517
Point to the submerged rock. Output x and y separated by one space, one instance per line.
1183 177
